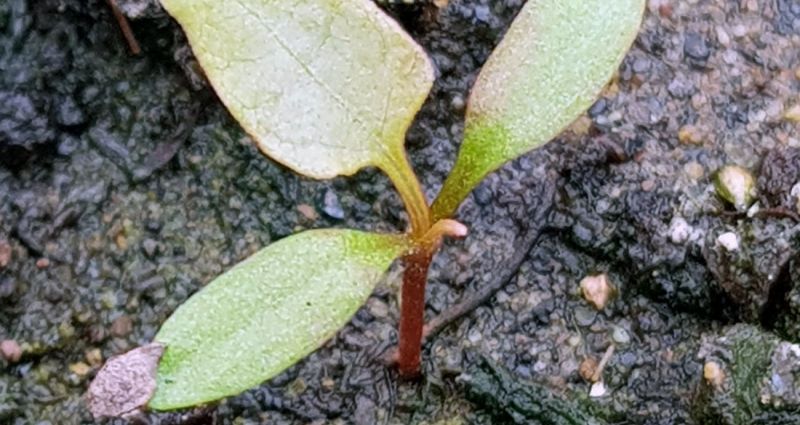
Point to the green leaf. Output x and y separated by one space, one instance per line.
325 87
548 69
267 313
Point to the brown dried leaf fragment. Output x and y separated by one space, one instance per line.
126 383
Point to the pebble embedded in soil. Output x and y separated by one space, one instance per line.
597 290
587 368
598 389
10 350
122 326
620 336
679 230
729 241
736 185
696 47
713 373
331 205
584 316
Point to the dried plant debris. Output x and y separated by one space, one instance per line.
126 383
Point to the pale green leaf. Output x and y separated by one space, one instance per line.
267 313
547 70
324 86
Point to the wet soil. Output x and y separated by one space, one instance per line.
125 187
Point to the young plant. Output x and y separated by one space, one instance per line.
327 87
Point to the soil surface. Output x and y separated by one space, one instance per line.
125 187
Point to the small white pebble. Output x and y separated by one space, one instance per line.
598 390
620 335
474 336
752 211
679 230
796 193
796 190
729 241
723 37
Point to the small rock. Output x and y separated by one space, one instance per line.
94 357
66 330
723 37
713 374
122 326
377 308
598 390
598 108
587 368
584 316
10 350
597 290
295 388
331 205
149 246
680 87
69 114
648 185
736 185
483 195
793 114
8 287
729 241
43 263
457 103
81 369
5 254
796 193
694 170
474 336
679 230
641 65
620 336
690 134
121 241
696 47
308 212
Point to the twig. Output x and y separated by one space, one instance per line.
125 27
598 371
504 274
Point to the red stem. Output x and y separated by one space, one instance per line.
412 312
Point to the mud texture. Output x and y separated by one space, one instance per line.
125 187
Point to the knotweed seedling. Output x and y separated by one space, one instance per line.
327 87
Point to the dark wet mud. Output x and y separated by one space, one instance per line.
125 187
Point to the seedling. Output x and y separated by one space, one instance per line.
327 87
